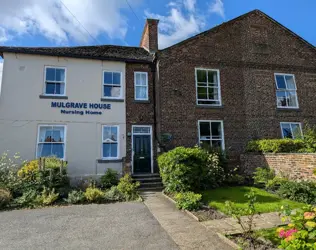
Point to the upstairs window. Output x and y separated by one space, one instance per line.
211 133
292 130
55 81
51 141
110 144
141 86
286 91
208 87
112 85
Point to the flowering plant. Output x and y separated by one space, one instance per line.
300 234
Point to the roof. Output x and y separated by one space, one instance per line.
102 52
258 12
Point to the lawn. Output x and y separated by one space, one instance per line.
266 202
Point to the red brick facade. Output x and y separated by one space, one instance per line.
294 166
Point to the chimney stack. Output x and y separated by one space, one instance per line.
149 39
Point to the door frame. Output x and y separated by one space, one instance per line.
151 145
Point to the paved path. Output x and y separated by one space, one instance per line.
230 225
185 231
112 226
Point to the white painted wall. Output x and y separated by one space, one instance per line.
21 109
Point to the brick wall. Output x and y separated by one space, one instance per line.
295 166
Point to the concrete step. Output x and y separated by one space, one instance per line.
145 176
148 180
154 189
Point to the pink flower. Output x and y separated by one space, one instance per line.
290 232
282 233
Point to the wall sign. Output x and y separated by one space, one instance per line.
81 108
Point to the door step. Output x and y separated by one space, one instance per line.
148 181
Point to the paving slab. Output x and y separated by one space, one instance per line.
184 230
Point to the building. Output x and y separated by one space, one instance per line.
102 107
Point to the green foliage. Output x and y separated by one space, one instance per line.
303 191
309 139
5 198
275 183
188 200
189 169
47 197
94 194
263 175
114 194
275 146
128 188
28 199
75 197
109 179
300 234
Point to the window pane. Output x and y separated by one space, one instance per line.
141 92
208 102
50 74
141 130
212 77
286 130
110 134
50 149
216 143
117 78
205 131
108 77
296 130
291 96
290 82
50 88
57 88
114 133
281 99
113 149
202 93
110 149
143 79
112 91
60 75
138 80
201 75
58 150
280 82
213 93
216 130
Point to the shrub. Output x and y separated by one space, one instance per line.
47 197
298 191
275 183
301 232
93 194
189 169
309 139
75 197
28 199
114 194
263 175
275 146
109 179
188 200
5 198
128 188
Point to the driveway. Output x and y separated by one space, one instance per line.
112 226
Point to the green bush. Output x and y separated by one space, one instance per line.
75 197
128 188
262 176
189 169
114 194
47 197
93 194
275 146
275 183
5 198
109 179
188 200
298 191
28 199
309 139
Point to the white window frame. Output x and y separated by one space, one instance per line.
296 123
104 84
51 125
286 90
118 142
151 144
222 131
219 88
45 81
135 85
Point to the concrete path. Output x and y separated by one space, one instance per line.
184 230
127 225
230 225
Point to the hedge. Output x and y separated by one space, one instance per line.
276 146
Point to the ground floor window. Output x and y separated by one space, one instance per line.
291 130
51 141
110 143
211 133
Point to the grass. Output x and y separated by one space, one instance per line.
266 202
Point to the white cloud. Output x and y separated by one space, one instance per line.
51 19
217 7
1 70
182 21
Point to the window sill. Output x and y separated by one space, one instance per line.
289 109
111 100
109 160
209 107
141 101
53 97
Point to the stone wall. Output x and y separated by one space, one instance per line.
295 166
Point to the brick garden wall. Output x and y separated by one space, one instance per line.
295 166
